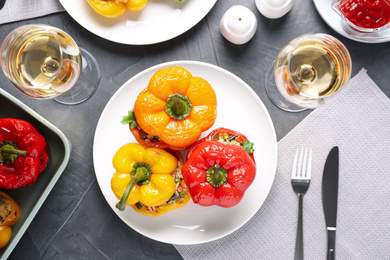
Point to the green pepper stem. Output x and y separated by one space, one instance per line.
178 106
139 174
216 171
9 152
216 176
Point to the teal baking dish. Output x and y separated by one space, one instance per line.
31 198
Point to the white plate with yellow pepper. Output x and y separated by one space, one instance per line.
238 108
157 21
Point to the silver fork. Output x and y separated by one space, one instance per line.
300 181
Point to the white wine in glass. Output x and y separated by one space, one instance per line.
44 62
308 72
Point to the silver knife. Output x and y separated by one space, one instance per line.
2 2
330 185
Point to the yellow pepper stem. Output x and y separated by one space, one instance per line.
139 175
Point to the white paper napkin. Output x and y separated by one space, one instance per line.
16 10
359 123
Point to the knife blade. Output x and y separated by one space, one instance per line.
330 185
2 3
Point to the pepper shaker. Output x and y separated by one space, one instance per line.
274 9
238 24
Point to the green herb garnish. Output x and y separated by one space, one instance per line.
129 119
248 146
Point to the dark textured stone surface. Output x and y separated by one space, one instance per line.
75 221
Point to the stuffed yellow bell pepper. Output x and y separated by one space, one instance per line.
9 214
115 8
148 179
173 110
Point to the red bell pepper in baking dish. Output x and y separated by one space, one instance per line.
23 153
219 171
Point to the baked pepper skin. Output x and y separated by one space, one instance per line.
218 173
5 235
154 166
9 214
179 202
23 153
145 142
109 9
225 133
13 208
176 107
144 180
162 210
136 5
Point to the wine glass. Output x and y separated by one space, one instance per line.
44 62
308 72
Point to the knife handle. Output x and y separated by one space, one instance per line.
331 243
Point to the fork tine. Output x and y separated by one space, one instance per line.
294 168
300 173
304 163
309 165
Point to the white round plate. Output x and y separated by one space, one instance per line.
240 109
159 21
324 8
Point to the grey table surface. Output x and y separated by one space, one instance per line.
75 222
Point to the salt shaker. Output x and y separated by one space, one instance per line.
274 9
238 24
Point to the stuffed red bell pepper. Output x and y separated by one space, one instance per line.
23 153
218 169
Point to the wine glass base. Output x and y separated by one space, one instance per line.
275 96
86 85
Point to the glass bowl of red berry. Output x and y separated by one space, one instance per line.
363 16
